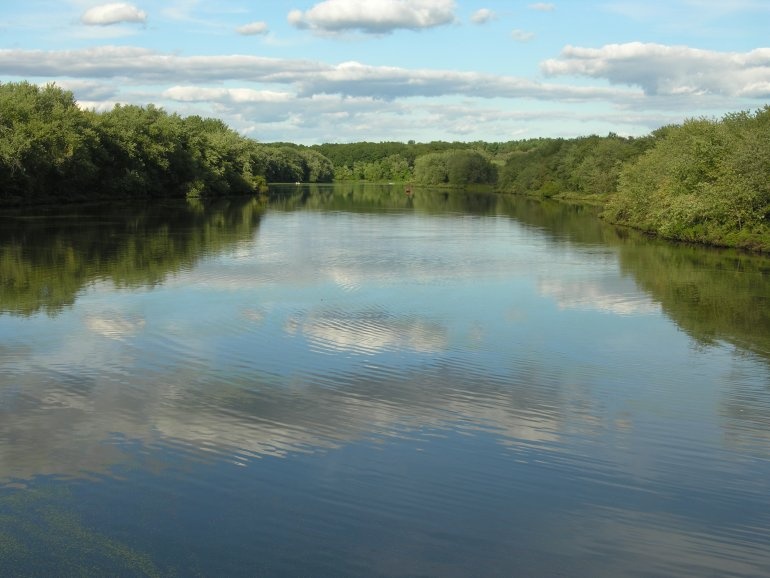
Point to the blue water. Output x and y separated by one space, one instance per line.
341 384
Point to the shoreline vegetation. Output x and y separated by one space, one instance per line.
705 181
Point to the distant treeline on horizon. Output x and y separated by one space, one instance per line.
705 180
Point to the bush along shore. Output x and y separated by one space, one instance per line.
704 181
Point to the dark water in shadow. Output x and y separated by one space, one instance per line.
353 382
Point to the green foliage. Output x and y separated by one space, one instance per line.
51 151
286 163
348 155
712 295
587 166
704 181
454 167
45 140
391 161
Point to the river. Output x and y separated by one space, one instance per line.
352 381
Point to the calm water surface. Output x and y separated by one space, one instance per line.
350 382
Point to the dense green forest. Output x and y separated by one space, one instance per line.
52 151
398 162
706 180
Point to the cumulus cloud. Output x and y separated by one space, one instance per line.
482 16
252 29
374 17
522 35
669 70
115 13
542 6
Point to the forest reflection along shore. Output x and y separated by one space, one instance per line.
47 260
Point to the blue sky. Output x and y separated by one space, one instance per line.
352 70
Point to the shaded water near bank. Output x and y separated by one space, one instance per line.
350 381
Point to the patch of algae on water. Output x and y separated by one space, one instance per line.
41 535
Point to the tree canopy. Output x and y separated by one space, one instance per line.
52 151
705 180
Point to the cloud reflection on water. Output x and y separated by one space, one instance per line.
70 422
369 331
594 294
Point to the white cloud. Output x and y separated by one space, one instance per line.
310 101
669 70
374 16
482 16
141 65
146 65
106 14
542 6
252 29
385 82
231 95
522 35
88 89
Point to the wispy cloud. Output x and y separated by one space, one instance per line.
232 95
307 77
252 29
542 6
522 35
699 9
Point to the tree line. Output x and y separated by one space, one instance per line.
53 151
706 180
435 163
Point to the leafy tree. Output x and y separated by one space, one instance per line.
51 150
703 181
454 167
45 142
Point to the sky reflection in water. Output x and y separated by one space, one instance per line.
400 392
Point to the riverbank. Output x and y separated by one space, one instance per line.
705 181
